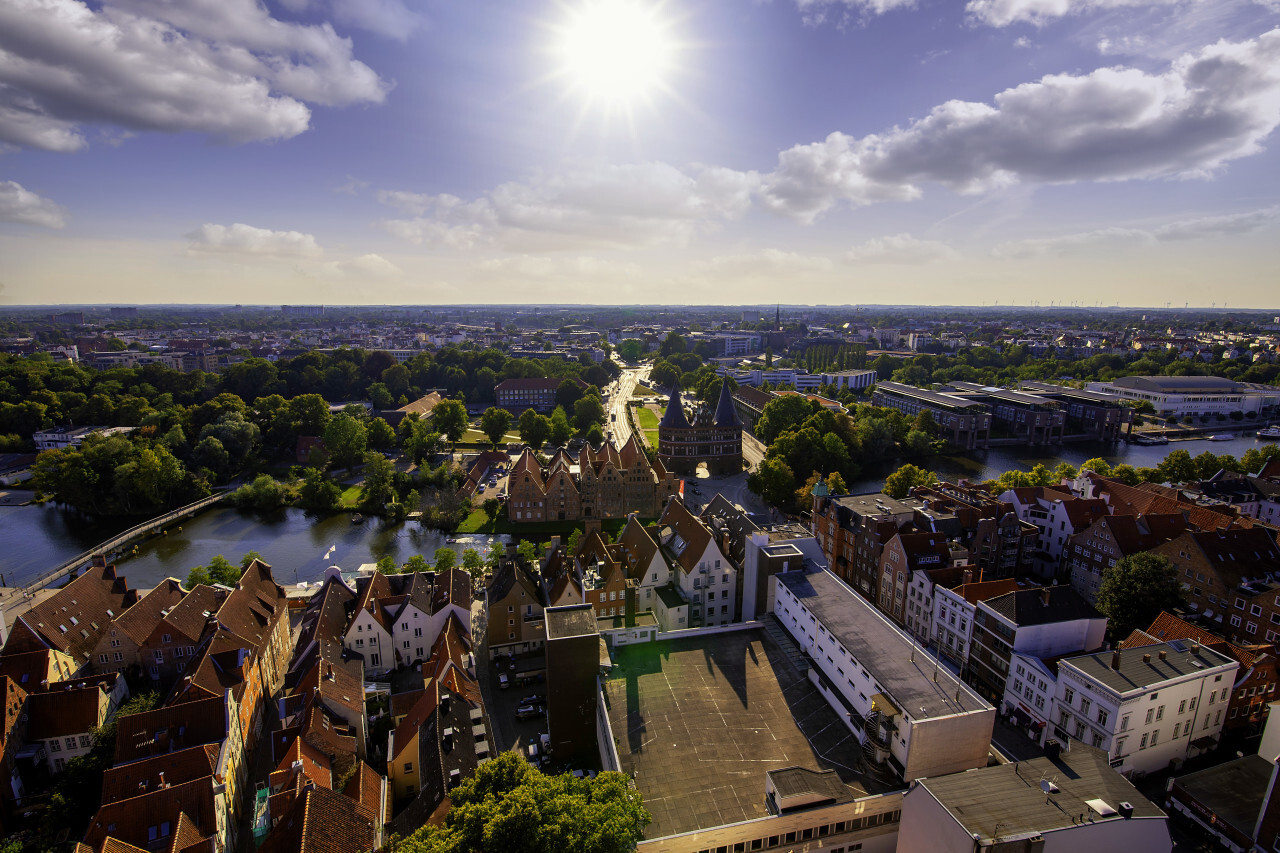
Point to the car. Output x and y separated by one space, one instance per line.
528 712
533 752
503 681
533 699
545 740
480 489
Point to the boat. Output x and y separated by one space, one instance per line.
1148 440
1272 431
1222 436
357 518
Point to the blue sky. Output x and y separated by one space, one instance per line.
805 151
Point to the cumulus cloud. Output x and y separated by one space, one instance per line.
1002 13
542 267
1210 107
371 265
644 204
222 67
241 239
1120 237
901 249
18 204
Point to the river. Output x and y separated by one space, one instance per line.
34 539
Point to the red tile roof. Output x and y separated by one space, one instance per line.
74 618
66 711
321 821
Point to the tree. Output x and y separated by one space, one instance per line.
774 481
378 475
387 565
450 418
247 560
535 429
491 507
1135 590
421 441
836 484
318 493
416 563
508 805
346 438
473 563
445 559
494 423
560 429
219 571
1097 465
1177 467
381 435
631 349
568 392
782 414
587 410
901 482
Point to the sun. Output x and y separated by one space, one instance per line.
615 53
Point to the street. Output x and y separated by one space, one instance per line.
618 403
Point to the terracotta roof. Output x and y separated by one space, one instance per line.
254 605
982 590
302 761
365 789
65 711
190 617
682 535
402 703
1166 627
15 700
129 820
74 618
406 732
321 821
452 587
170 728
138 621
125 781
32 669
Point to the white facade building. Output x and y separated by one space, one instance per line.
1148 707
904 707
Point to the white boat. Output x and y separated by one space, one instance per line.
1272 431
1222 437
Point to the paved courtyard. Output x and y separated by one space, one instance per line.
699 721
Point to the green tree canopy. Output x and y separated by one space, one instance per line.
509 806
450 419
494 423
901 482
774 481
1135 590
587 410
560 429
346 438
535 429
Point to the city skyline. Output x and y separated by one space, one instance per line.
639 152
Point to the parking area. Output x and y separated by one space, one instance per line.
511 729
698 722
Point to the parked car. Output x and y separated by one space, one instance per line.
528 712
533 699
545 740
503 681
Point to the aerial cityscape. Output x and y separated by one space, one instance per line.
670 426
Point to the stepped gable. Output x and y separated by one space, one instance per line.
674 416
726 415
527 468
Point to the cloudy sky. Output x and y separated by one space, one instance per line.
640 151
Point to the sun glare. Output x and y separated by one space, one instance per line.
615 52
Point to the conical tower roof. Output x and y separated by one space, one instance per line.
674 416
726 414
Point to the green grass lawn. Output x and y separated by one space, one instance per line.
478 522
351 496
475 436
643 391
648 422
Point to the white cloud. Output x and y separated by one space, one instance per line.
390 18
643 204
352 186
542 267
901 249
372 266
241 239
766 262
18 204
817 12
221 67
1113 124
1002 13
1121 237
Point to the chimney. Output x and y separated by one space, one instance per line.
1115 659
162 782
1146 658
966 576
1164 654
1195 648
629 604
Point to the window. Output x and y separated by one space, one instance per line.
1069 696
1151 712
1176 728
1084 706
359 643
374 660
159 653
71 742
119 656
1142 744
102 658
1160 713
54 746
1103 716
166 638
1124 723
1191 706
408 767
1182 706
1120 746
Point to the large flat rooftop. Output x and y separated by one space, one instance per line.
700 721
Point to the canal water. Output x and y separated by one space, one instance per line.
34 539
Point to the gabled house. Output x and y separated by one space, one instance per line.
1058 515
703 575
64 715
905 556
31 670
13 738
74 618
323 821
514 602
1109 540
120 646
172 641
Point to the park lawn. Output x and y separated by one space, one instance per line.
351 497
475 436
643 391
648 422
478 522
